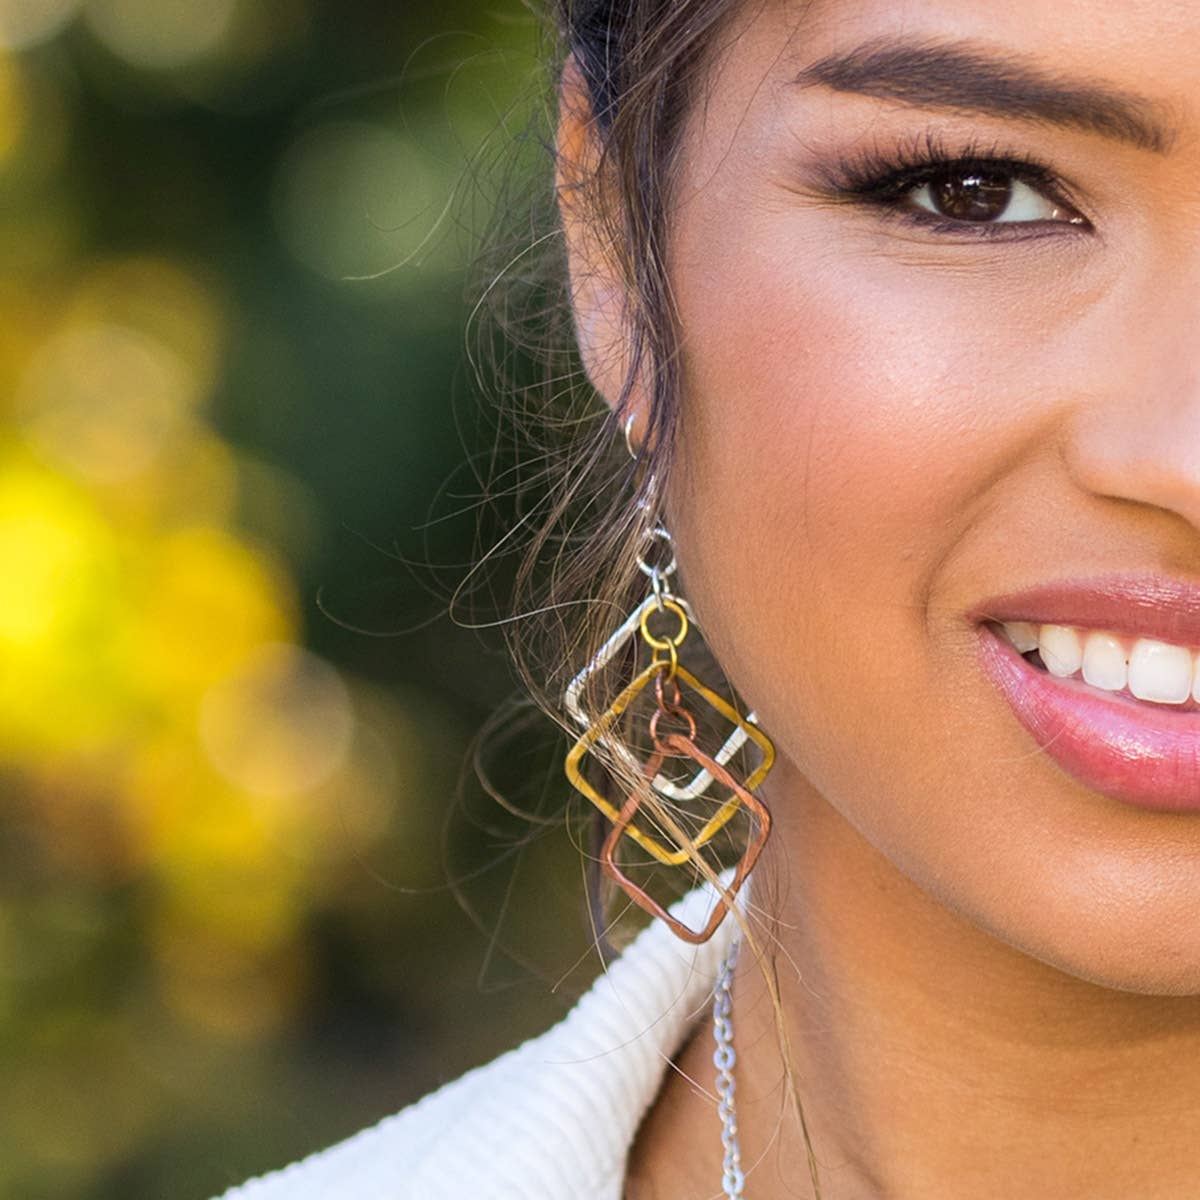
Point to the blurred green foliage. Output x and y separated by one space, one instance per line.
233 713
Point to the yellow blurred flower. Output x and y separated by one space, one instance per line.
103 401
164 301
207 600
62 594
280 725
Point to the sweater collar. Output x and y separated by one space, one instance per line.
556 1117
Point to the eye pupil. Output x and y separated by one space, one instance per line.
971 195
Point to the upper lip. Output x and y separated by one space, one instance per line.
1152 606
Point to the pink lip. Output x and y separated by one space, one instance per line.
1120 747
1147 606
1123 748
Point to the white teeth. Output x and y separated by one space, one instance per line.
1022 634
1104 663
1061 649
1160 672
1151 670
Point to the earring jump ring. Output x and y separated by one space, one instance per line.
662 534
665 643
680 714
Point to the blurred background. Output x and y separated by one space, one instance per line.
236 423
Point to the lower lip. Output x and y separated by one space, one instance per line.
1120 747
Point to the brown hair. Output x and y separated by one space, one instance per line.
585 509
643 64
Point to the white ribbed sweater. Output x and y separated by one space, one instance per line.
552 1119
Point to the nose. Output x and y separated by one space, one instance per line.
1136 435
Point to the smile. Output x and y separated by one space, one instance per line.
1107 683
1143 669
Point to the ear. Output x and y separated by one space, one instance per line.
599 293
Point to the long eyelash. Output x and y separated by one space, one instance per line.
881 176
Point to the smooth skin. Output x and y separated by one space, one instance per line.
991 972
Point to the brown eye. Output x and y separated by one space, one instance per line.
981 196
971 195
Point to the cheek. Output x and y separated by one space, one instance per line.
843 427
834 436
847 435
866 450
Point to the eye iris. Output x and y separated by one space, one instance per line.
971 195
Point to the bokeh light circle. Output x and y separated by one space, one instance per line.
104 400
279 726
25 23
161 34
354 199
163 299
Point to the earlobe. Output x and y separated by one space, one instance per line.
599 294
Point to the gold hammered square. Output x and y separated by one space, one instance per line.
600 727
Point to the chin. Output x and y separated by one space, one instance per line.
1151 952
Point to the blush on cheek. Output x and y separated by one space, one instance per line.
828 428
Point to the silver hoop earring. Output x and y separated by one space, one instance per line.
629 435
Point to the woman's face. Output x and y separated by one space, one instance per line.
911 391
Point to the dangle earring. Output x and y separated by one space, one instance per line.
654 791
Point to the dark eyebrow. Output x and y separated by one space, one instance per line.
968 77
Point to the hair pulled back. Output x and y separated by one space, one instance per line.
643 64
589 508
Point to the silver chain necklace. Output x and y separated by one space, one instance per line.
733 1181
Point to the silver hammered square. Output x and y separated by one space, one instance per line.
700 782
